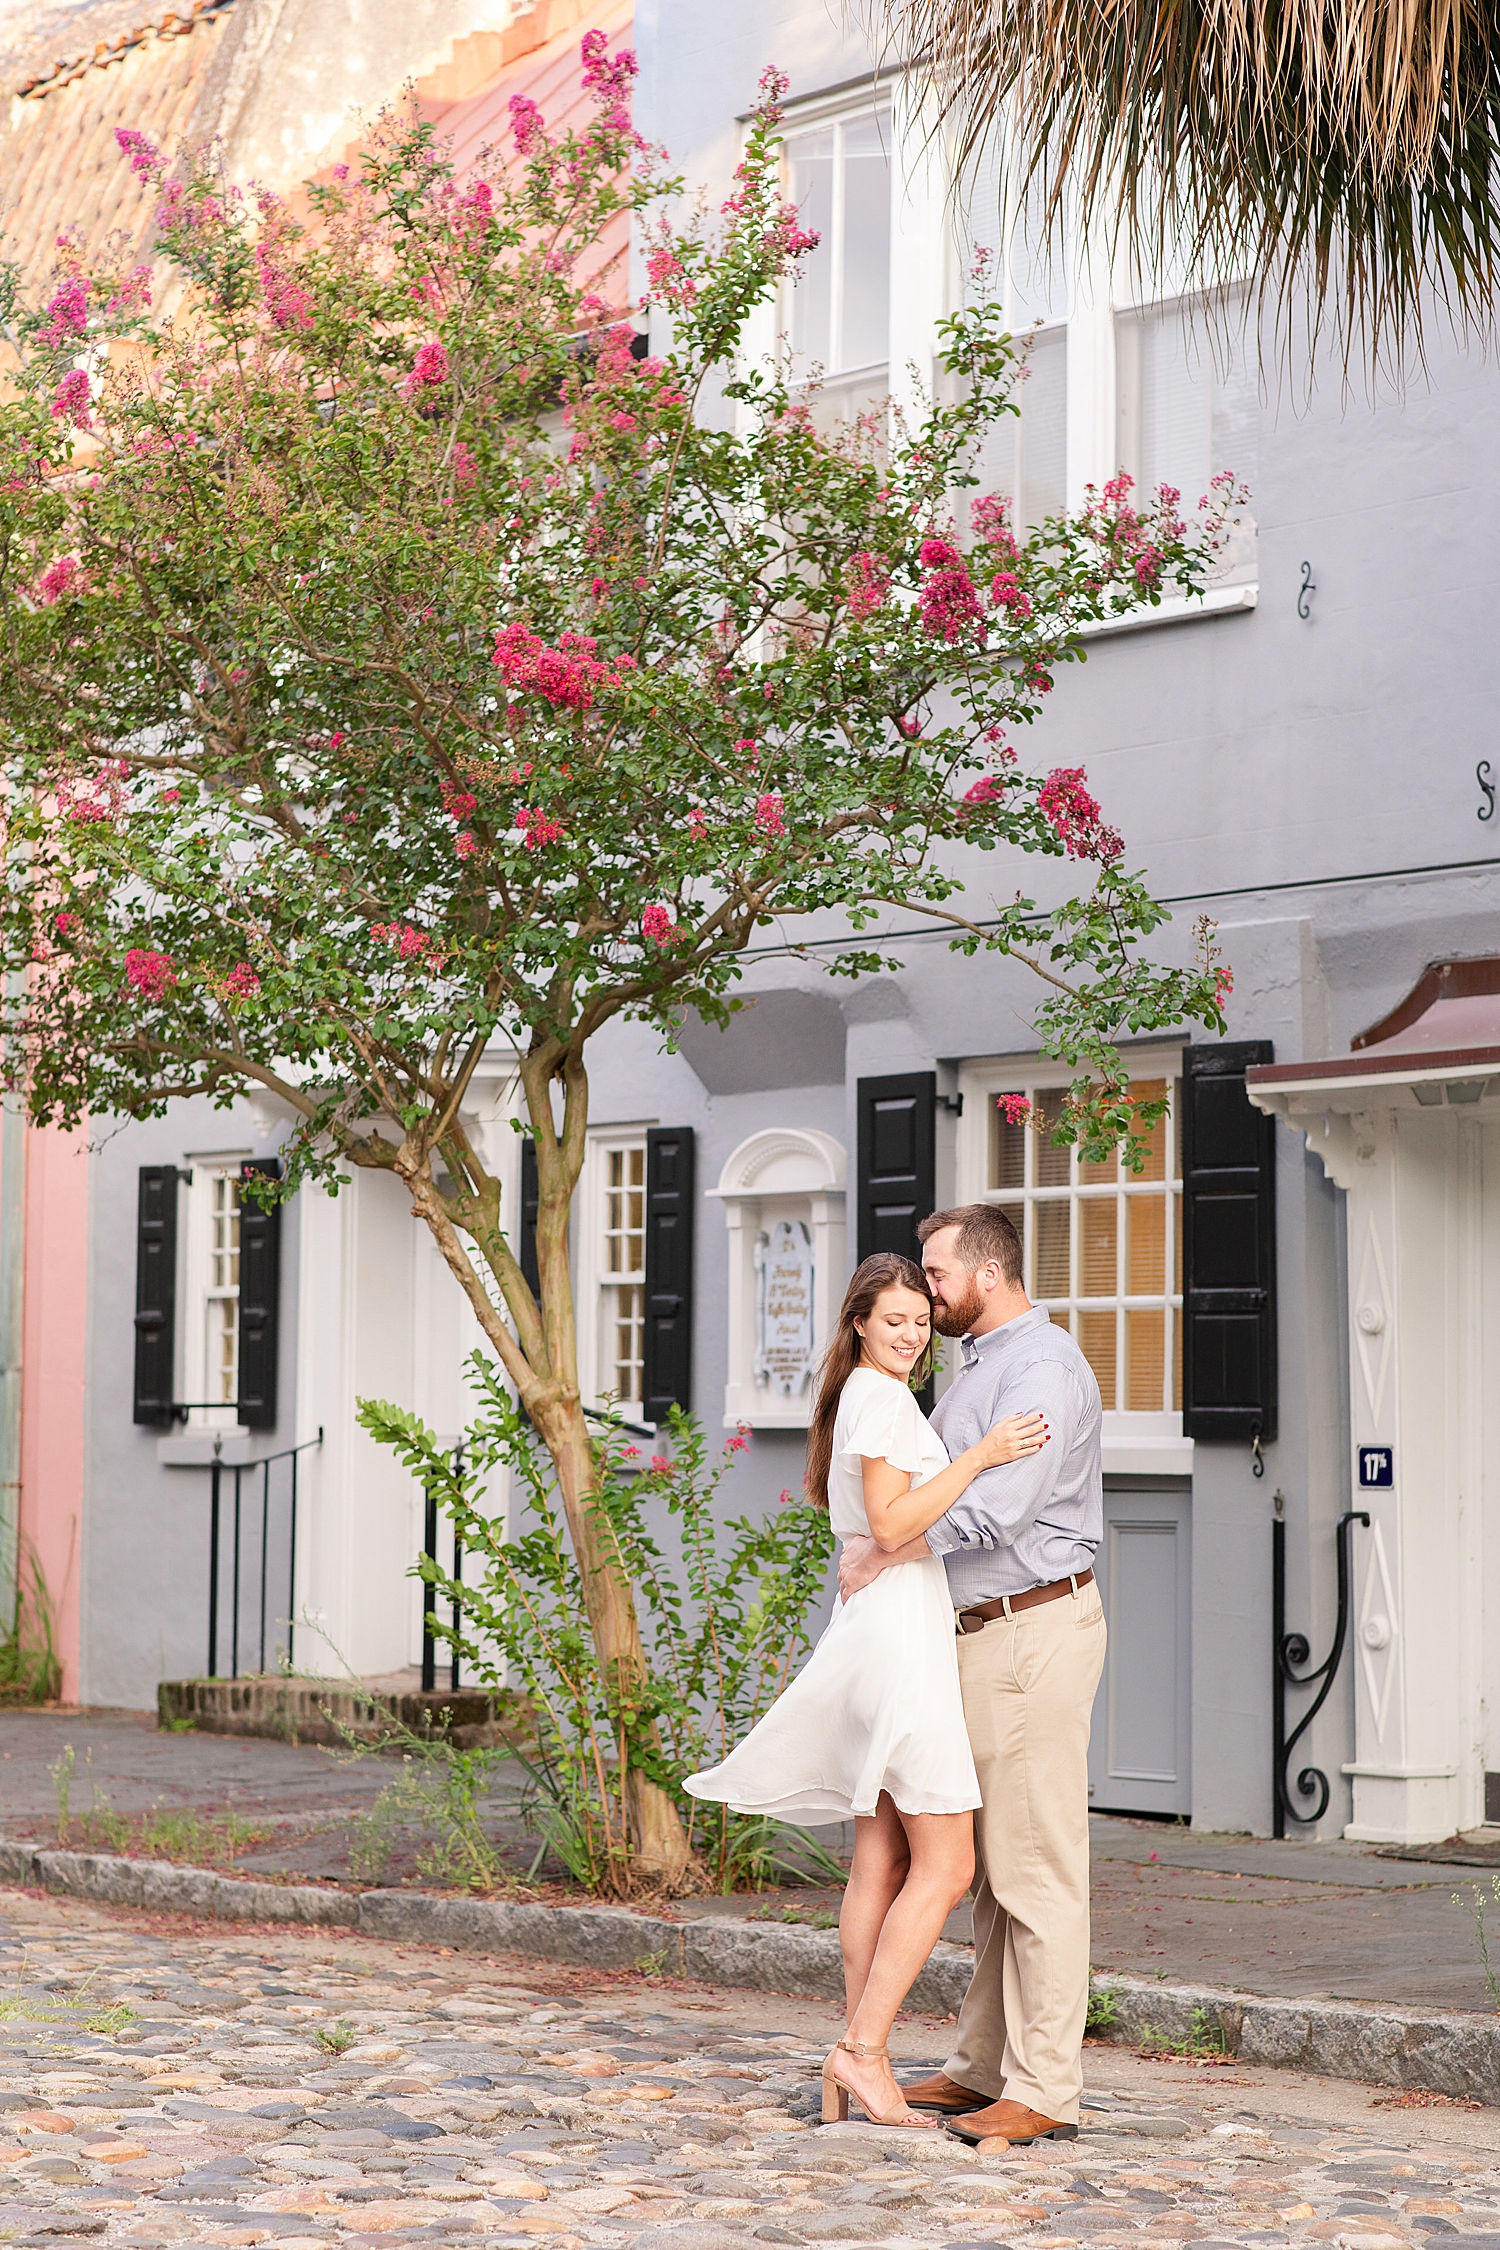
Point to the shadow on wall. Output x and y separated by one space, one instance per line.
777 1039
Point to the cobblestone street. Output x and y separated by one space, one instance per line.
162 2084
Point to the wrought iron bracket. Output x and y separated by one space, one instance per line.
1289 1651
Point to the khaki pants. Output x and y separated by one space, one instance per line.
1028 1688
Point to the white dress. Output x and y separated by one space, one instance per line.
877 1704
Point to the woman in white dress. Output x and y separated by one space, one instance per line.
872 1728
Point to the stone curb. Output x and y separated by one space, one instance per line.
1406 2048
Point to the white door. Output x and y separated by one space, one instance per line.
1140 1747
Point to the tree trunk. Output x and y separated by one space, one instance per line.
660 1845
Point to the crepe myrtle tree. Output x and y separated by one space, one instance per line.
399 667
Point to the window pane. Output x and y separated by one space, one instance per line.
1096 1338
1043 447
624 1210
223 1349
1176 1363
1053 1165
1007 1152
1098 1272
867 243
1054 1234
626 1354
1152 1090
810 163
1144 1347
224 1243
1145 1245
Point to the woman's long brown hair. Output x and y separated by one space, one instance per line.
884 1271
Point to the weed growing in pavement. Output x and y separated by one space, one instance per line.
334 2038
813 1917
198 1839
1491 1978
1103 2012
30 1668
1205 2039
439 1790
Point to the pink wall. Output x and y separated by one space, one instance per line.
53 1339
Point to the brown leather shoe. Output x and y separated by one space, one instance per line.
939 2092
1008 2121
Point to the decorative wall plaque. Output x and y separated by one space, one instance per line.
784 1308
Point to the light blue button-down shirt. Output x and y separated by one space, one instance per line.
1034 1520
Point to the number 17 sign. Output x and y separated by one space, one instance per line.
1377 1468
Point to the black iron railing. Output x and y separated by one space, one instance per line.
1292 1649
259 1582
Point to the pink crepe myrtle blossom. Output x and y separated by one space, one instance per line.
740 1440
170 797
697 823
70 401
991 520
770 813
465 467
910 727
1223 985
661 1463
1007 593
538 829
144 155
658 926
466 844
526 123
948 603
68 313
669 279
985 791
288 304
410 943
62 923
565 676
869 583
150 974
459 804
242 983
63 576
429 370
1015 1108
1075 816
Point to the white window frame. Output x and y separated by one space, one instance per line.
981 1082
197 1290
1098 294
815 115
594 1284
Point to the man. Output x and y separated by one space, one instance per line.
1019 1550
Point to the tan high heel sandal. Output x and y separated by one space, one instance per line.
836 2091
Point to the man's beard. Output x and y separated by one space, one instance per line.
955 1317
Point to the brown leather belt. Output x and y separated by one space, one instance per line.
984 1613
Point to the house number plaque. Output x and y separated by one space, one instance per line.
784 1308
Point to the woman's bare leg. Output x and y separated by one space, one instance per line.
882 1858
940 1869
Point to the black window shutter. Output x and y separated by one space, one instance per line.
668 1376
1229 1247
897 1181
155 1292
530 1200
260 1300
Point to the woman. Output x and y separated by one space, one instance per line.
872 1729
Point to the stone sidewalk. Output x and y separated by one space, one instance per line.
164 2085
1246 1915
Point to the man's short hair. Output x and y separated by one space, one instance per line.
984 1232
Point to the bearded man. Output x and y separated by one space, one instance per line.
1019 1550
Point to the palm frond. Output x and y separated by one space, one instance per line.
1342 158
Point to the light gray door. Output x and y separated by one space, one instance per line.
1140 1747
